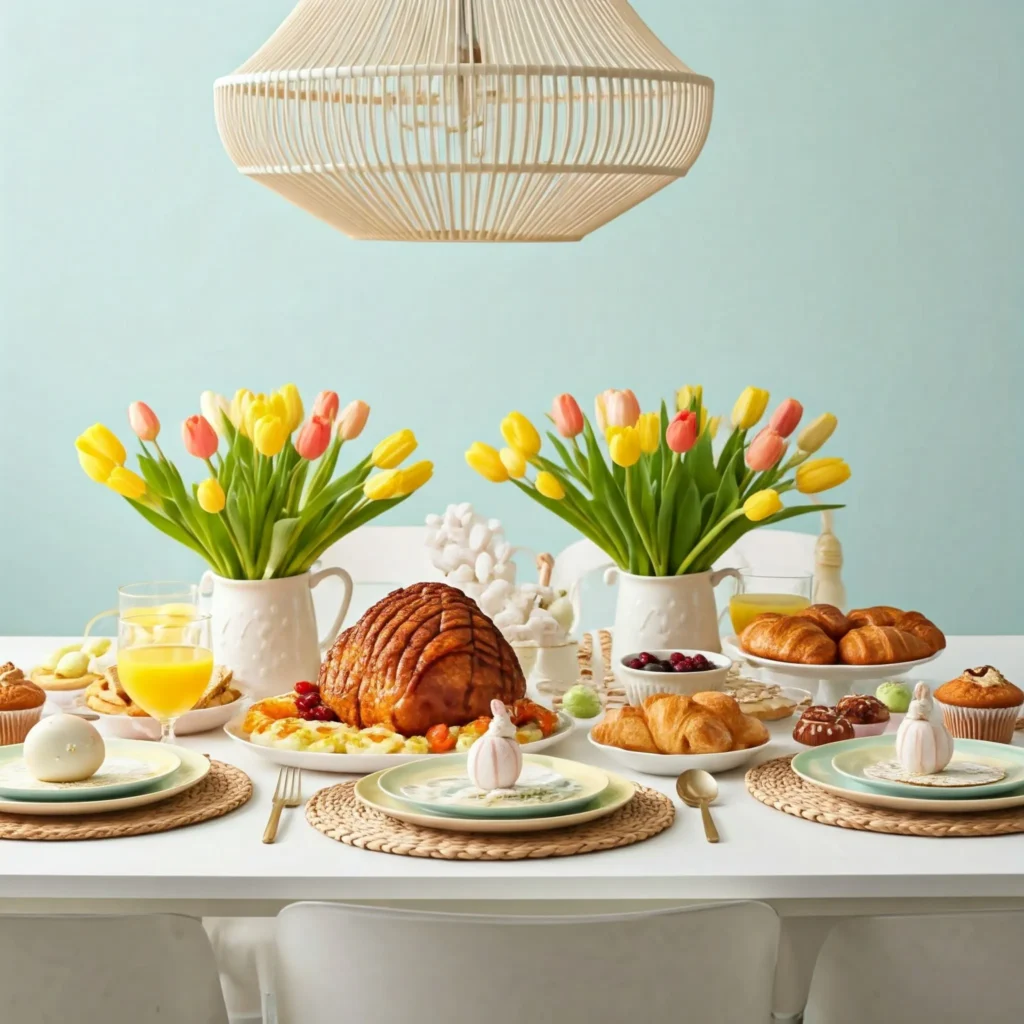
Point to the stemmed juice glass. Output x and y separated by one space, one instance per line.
164 652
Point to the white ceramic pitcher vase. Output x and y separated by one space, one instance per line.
265 630
662 612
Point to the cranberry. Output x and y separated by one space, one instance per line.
635 663
323 714
306 687
307 701
678 666
645 659
307 716
676 656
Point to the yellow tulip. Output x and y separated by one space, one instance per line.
686 394
713 425
521 434
98 440
761 505
292 402
126 483
269 435
624 446
815 434
649 428
749 407
549 485
236 411
210 496
384 485
487 462
514 461
820 475
394 450
97 467
414 477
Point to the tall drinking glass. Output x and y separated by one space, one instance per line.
757 592
164 659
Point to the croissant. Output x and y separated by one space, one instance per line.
881 645
788 638
923 628
831 620
878 615
680 725
626 728
746 730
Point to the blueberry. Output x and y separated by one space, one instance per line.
654 666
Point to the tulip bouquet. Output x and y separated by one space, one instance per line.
665 506
270 505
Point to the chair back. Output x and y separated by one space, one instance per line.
775 551
940 968
147 969
402 965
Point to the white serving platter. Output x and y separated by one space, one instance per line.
127 727
364 764
676 764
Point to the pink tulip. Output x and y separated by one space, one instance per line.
352 419
785 419
765 450
326 405
199 437
616 409
143 421
314 437
568 416
681 435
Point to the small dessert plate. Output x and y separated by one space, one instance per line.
547 786
983 770
676 764
129 767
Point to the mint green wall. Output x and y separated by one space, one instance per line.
851 235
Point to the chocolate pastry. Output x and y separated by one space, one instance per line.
862 710
819 725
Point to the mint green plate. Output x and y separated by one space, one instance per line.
871 750
547 786
814 765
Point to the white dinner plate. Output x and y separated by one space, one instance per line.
363 764
127 727
616 794
676 764
193 769
833 673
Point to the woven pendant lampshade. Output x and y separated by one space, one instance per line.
464 120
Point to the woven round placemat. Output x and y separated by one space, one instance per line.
224 789
339 814
776 784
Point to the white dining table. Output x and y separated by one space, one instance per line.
221 867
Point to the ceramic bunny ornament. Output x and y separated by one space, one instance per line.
923 746
495 760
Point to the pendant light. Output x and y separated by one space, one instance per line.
464 120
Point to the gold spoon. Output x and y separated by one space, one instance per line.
698 789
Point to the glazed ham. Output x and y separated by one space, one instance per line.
422 656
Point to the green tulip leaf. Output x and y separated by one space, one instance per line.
282 533
685 526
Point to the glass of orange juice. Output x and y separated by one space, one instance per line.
757 592
164 658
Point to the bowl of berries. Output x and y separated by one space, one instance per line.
680 671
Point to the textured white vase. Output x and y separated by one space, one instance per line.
663 612
265 630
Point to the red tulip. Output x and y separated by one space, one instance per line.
314 437
765 450
326 405
681 435
568 416
199 437
143 421
352 420
785 419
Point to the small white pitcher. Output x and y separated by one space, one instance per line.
265 630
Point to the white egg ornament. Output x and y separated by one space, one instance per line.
495 760
63 748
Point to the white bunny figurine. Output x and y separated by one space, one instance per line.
495 760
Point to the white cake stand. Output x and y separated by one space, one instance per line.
834 681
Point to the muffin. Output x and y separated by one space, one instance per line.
21 704
868 715
820 724
980 704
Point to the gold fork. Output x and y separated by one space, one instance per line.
287 793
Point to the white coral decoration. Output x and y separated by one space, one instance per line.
475 557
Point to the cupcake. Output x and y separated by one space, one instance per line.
868 715
21 704
980 704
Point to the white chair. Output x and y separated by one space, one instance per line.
146 969
933 968
705 963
